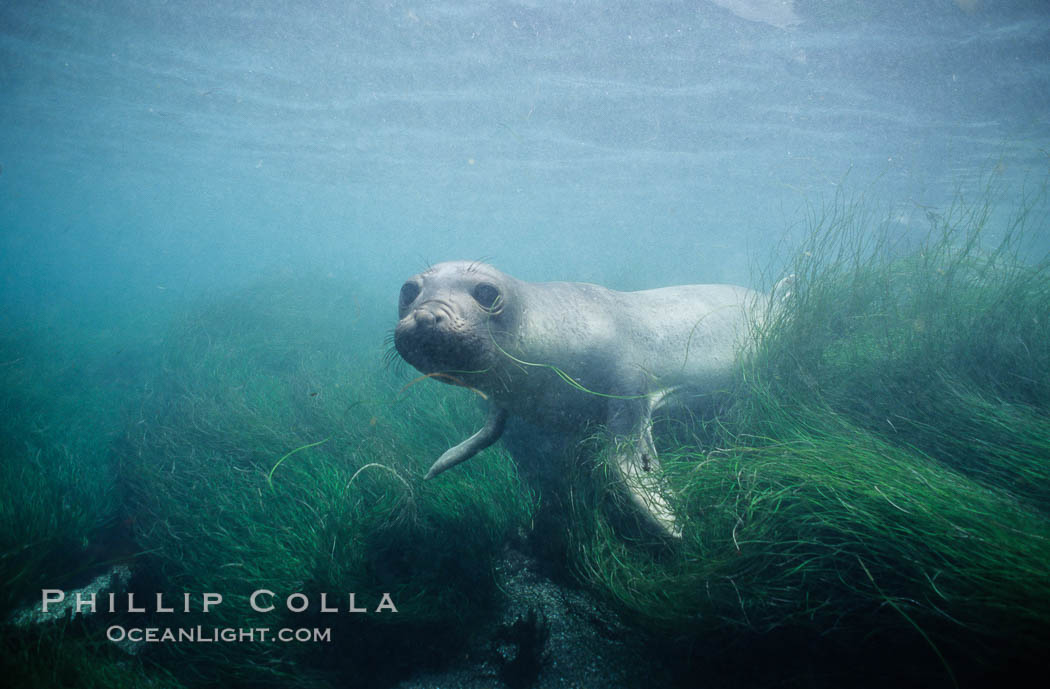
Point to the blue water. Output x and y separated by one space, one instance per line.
151 151
161 155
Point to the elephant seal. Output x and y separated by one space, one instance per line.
564 354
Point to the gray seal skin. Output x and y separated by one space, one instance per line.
565 354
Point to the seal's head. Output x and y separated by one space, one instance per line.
449 316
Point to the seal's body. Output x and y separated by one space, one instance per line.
566 354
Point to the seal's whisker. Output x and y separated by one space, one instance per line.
476 264
392 360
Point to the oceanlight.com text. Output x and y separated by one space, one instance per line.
202 634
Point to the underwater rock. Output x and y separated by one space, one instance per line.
48 609
548 635
521 650
115 580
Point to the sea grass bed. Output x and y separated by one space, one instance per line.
876 479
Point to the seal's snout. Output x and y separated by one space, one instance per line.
428 338
445 315
426 317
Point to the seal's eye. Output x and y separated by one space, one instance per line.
487 295
409 292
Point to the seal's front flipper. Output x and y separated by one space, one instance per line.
639 468
488 434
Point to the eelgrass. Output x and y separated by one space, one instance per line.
941 349
58 411
61 394
64 655
275 454
882 470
